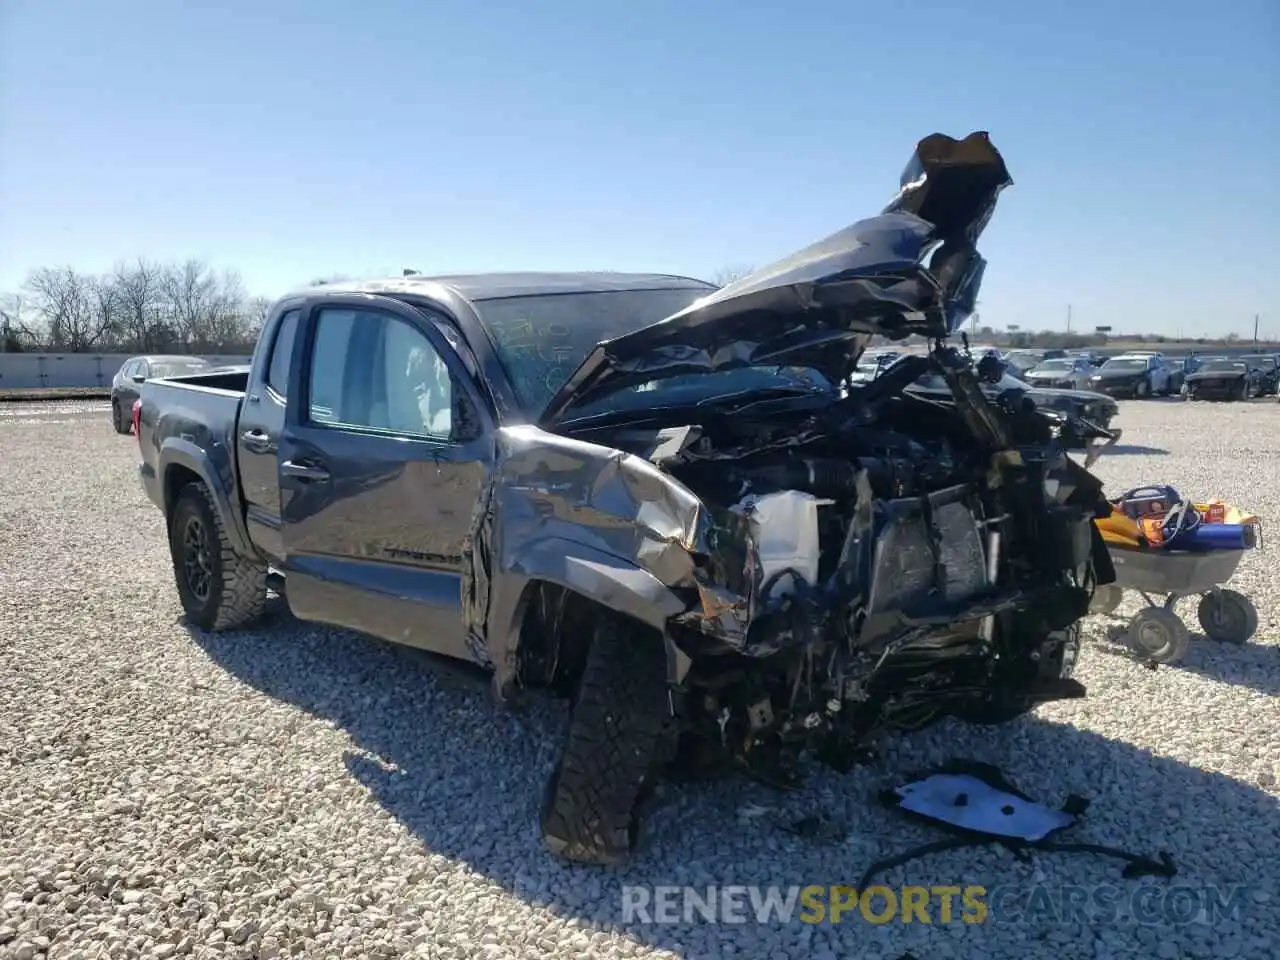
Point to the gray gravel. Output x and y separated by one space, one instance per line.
297 791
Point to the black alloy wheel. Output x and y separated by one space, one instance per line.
196 567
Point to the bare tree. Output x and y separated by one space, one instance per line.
205 308
63 302
255 312
104 311
727 275
138 287
18 327
186 288
226 322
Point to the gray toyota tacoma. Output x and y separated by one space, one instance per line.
664 501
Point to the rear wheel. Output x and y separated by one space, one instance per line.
619 719
1141 390
219 589
1227 616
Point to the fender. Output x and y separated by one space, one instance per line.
178 452
594 574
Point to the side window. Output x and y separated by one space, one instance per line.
417 389
399 384
282 353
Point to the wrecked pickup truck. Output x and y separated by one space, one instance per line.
661 500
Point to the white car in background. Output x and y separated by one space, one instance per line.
1068 373
872 363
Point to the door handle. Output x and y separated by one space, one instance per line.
303 471
256 440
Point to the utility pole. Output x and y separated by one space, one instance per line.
1256 317
1068 318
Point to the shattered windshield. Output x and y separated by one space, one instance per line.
541 340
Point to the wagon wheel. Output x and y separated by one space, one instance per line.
1228 616
1159 635
1105 599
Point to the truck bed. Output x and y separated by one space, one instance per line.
232 379
190 423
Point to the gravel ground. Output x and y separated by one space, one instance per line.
298 791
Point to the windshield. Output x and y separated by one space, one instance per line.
1051 365
1125 363
693 389
178 368
1223 366
541 340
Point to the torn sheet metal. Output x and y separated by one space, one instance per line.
821 305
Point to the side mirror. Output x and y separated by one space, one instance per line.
990 369
138 378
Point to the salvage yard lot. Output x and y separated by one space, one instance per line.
299 791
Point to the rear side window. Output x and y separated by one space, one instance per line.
282 353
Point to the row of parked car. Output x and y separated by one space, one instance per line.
1087 383
1142 374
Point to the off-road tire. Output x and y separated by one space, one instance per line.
618 723
236 589
117 420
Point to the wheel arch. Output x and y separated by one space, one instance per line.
568 581
182 462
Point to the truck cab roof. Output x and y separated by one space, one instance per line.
478 287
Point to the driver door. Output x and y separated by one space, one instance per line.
381 462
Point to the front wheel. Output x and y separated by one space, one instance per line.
617 726
1141 390
1159 635
219 589
118 419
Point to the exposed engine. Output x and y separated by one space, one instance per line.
869 565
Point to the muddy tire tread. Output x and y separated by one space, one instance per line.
619 719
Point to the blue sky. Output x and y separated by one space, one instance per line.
292 140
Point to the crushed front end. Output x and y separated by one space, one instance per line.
846 558
881 564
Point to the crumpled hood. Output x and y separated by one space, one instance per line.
821 306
